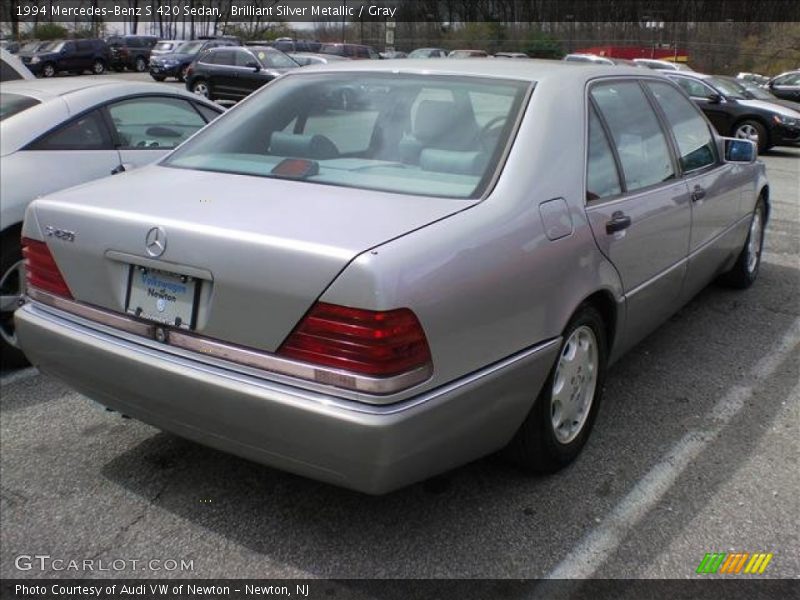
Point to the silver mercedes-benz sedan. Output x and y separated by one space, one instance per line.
371 273
62 132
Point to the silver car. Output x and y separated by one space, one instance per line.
372 292
59 133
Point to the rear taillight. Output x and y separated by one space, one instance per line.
365 342
41 270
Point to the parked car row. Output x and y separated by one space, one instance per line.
345 278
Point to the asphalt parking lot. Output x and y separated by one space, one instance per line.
695 450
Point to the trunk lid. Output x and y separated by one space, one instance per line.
263 249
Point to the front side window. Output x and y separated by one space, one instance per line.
694 139
640 143
150 123
412 134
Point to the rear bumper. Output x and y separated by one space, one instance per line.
370 448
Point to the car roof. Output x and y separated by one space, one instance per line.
529 70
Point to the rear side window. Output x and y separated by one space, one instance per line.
602 178
694 88
87 132
694 139
637 136
223 57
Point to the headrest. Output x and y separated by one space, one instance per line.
450 161
302 146
434 118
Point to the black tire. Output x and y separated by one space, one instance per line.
10 285
49 70
745 272
98 67
140 65
202 88
747 128
183 73
539 445
158 77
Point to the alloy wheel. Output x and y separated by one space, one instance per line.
574 384
12 293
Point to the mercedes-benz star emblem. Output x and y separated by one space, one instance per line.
156 241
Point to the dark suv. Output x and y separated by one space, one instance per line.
131 51
232 73
176 63
75 56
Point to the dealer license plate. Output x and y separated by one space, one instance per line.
163 297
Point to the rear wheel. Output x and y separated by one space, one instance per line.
745 271
559 423
753 131
201 88
49 70
140 65
98 67
12 291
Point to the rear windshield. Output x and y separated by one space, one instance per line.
12 104
412 134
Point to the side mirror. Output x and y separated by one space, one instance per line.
254 65
740 151
714 98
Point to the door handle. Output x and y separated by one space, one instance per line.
618 222
698 193
120 168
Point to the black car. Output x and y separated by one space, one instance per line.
176 63
131 51
354 51
786 86
233 73
734 114
289 45
75 56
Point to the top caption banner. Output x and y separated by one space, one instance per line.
633 11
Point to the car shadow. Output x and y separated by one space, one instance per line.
488 519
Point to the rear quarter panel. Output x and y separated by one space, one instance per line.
487 282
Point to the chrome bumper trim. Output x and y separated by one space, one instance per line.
377 386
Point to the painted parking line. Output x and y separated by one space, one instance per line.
594 549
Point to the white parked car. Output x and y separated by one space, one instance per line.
59 133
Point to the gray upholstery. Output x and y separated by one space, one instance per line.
451 161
